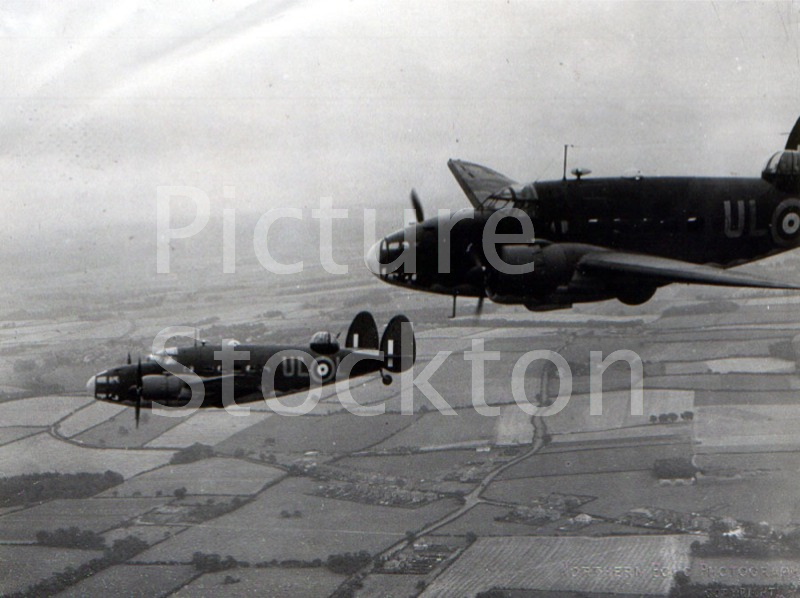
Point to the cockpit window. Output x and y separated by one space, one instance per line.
512 195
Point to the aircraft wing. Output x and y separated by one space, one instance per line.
661 270
478 182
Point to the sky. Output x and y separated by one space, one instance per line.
290 101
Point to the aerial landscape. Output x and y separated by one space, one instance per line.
425 504
236 174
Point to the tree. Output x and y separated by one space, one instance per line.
180 493
471 538
653 419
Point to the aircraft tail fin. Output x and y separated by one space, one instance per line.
363 332
398 345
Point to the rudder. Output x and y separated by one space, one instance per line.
398 345
363 332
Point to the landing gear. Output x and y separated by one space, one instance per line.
386 379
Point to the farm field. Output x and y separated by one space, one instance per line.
747 426
87 417
480 520
390 586
40 411
11 434
212 425
569 564
788 461
616 410
466 427
426 465
43 453
135 581
217 476
765 498
341 432
257 532
120 431
40 562
96 514
272 582
593 460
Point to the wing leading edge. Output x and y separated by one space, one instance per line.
660 271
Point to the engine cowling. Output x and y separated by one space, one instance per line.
552 268
162 388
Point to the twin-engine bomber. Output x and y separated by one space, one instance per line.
254 372
596 238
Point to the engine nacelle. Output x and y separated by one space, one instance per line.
163 388
552 268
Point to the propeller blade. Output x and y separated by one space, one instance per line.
479 307
139 384
417 206
793 142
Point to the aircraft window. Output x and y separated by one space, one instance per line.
694 224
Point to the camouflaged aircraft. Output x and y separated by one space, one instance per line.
596 238
256 372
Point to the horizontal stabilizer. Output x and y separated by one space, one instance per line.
661 270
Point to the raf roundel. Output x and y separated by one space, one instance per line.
323 369
786 223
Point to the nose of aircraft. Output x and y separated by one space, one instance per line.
91 385
372 260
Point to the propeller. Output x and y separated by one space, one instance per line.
479 307
479 269
417 206
139 385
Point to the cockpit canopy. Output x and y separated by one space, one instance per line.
783 170
324 343
511 195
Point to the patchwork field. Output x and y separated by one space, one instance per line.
770 498
747 426
273 582
96 514
38 563
646 563
336 433
40 411
207 476
212 425
257 531
616 410
42 453
140 581
593 459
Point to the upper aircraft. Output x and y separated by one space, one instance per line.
257 372
596 238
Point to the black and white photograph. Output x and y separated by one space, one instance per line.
400 299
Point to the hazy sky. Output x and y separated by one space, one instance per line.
358 100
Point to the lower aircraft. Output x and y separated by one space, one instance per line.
596 238
264 371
